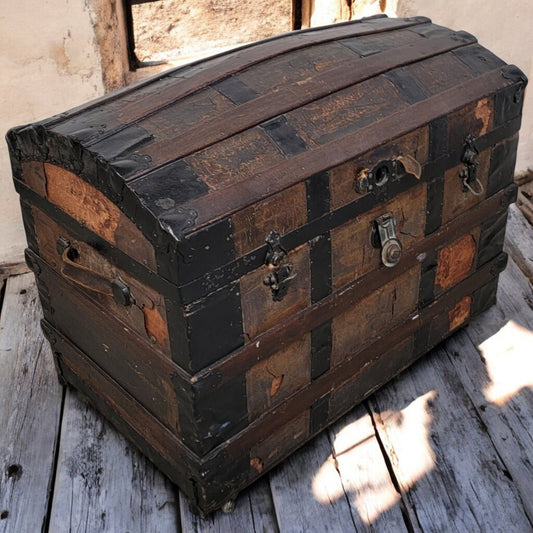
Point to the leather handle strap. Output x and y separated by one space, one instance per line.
94 281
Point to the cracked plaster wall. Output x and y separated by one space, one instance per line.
50 59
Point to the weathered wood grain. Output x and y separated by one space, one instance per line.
455 261
445 464
30 406
251 226
253 513
103 484
493 359
519 241
366 482
307 491
332 85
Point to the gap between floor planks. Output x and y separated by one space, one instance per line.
459 460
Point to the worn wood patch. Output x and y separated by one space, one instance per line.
342 177
475 119
103 483
147 316
92 209
374 315
460 313
235 160
30 406
282 213
294 66
345 111
456 261
260 312
351 248
274 379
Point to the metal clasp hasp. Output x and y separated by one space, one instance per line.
384 236
468 174
280 275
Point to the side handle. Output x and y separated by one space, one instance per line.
90 280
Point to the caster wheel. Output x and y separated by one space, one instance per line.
228 507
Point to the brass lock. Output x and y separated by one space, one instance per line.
384 237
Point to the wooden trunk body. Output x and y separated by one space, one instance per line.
209 245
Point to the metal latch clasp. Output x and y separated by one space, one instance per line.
280 275
278 281
384 236
275 252
468 174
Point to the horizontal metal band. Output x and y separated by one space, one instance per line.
298 94
199 74
273 180
348 368
435 169
310 318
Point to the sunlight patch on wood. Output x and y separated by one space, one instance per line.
366 481
366 478
326 486
509 359
411 427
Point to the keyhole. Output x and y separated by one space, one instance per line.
382 175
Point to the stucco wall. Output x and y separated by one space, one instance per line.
50 61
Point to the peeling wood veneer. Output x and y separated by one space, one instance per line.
92 209
460 313
455 262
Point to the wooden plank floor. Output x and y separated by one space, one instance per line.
447 446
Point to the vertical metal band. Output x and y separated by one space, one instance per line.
319 415
214 326
426 292
320 349
235 90
284 136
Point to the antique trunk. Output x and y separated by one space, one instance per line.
234 253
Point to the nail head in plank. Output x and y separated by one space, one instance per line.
30 400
